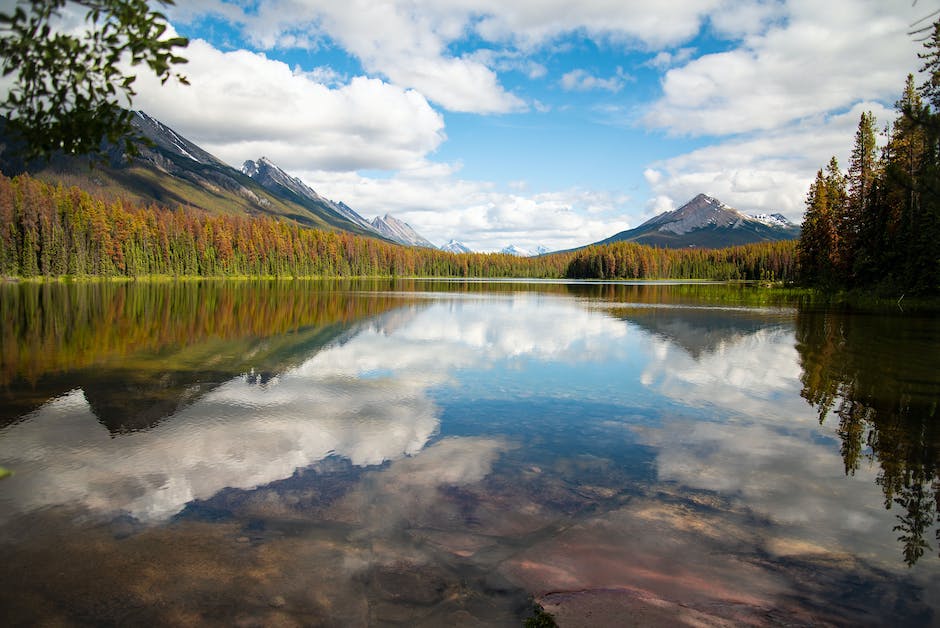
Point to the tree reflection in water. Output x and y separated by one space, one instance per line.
881 381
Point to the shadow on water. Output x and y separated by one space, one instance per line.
879 378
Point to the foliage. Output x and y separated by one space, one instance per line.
773 261
48 231
881 230
67 91
540 618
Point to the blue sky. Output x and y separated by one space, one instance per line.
537 122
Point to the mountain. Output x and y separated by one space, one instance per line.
399 231
512 249
707 222
275 180
173 171
454 246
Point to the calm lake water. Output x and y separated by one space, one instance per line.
440 453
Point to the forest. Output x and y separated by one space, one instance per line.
878 225
55 231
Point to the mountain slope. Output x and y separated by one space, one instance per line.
707 222
400 231
175 172
292 189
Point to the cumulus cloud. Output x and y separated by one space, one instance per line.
665 59
441 206
818 60
582 80
775 98
241 105
769 171
411 43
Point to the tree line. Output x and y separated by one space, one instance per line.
878 225
52 231
773 261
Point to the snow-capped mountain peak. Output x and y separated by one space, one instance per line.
700 212
453 246
519 251
707 222
399 231
264 171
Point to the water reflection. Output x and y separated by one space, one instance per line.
431 452
879 381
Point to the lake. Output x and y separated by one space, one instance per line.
429 453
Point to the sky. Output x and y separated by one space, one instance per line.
537 122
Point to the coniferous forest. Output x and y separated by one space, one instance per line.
878 225
54 231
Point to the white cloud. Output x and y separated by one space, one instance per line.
582 80
440 207
665 59
241 105
779 91
763 171
820 59
409 42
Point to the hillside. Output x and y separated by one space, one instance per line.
174 172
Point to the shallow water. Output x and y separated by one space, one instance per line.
434 452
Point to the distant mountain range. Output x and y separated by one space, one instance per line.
707 222
174 171
512 249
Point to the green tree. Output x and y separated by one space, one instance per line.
69 90
818 246
862 172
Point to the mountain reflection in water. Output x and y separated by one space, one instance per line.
438 452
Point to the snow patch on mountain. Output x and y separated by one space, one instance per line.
265 172
772 220
453 246
399 231
168 139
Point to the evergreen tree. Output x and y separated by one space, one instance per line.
818 238
904 165
862 173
